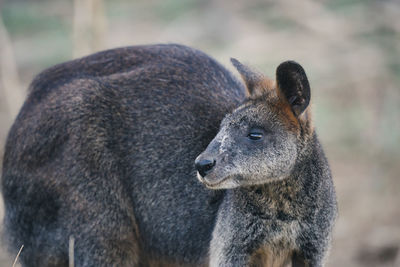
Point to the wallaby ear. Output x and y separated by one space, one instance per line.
250 77
293 83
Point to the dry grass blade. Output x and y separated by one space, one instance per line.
71 251
16 257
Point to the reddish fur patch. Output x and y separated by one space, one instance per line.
271 257
268 84
283 107
268 89
264 87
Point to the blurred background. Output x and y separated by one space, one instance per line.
350 50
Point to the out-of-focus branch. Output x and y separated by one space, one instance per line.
89 26
99 25
9 81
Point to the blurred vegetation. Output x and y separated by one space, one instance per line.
349 48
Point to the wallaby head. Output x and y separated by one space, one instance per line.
262 139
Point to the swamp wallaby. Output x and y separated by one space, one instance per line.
103 152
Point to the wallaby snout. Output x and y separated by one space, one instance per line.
209 166
204 165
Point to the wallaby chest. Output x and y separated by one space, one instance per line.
274 217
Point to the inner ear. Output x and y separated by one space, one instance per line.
293 83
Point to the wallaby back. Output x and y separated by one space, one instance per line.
103 151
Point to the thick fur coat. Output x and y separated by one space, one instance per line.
104 149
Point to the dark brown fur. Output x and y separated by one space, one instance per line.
103 151
280 204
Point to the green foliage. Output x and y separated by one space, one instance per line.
22 18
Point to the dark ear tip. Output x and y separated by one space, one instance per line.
289 66
293 83
289 62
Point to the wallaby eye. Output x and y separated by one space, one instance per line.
255 135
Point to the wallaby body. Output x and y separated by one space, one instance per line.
103 151
280 204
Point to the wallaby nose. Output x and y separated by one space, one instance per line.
204 166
